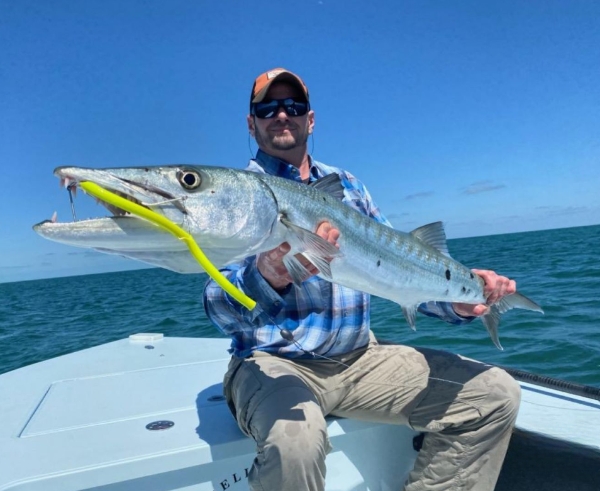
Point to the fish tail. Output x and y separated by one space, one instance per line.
491 320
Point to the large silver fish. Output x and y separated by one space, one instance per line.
233 214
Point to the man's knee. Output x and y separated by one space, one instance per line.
304 443
292 444
292 415
506 391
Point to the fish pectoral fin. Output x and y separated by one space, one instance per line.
308 242
321 264
410 313
296 269
434 235
314 248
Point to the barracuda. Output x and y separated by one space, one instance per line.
234 214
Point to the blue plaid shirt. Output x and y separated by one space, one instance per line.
325 318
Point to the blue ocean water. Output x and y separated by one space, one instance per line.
559 269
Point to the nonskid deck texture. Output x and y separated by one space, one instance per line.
81 422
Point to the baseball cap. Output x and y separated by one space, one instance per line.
264 81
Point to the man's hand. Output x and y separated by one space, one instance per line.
270 263
494 289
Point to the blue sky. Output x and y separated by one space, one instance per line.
484 115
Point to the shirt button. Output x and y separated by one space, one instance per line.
277 303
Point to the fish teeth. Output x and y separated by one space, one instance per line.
115 210
71 185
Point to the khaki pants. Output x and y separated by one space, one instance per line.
467 409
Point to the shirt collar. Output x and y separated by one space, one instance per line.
278 167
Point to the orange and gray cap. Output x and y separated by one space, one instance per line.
264 81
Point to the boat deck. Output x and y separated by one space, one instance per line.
85 421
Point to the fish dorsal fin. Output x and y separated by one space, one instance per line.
432 234
330 184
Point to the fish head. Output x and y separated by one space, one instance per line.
230 213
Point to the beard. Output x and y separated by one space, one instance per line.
282 141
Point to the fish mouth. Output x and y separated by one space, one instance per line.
142 194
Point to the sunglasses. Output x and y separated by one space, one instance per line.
270 109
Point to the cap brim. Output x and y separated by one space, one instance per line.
282 77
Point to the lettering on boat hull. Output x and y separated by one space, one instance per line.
232 480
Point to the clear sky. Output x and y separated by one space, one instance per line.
482 114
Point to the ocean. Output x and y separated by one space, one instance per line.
559 269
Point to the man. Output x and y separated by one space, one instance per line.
309 352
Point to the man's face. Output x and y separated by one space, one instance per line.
282 132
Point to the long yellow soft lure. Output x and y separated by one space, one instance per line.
113 199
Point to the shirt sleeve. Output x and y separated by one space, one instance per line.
229 315
444 311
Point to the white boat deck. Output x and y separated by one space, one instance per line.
79 422
560 416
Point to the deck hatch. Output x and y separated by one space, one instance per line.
76 403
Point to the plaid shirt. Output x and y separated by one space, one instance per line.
325 318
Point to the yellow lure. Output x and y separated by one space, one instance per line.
113 199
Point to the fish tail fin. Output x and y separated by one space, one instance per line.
491 321
514 301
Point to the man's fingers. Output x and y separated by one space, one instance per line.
496 286
470 310
334 235
326 231
271 267
278 253
511 288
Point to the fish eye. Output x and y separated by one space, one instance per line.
189 179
